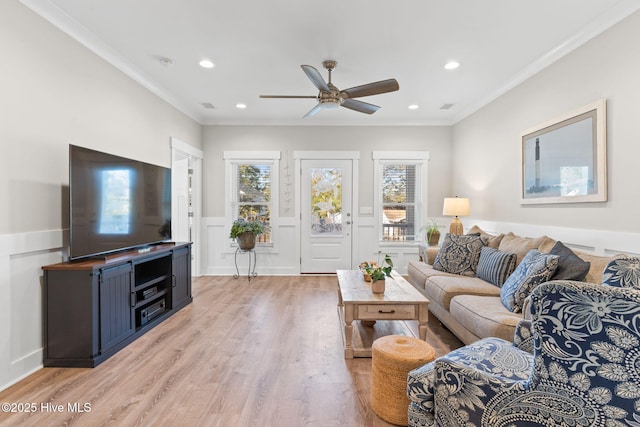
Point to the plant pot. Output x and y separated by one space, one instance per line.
433 238
246 241
377 286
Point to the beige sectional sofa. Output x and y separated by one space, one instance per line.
471 307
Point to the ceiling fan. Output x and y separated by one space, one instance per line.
332 97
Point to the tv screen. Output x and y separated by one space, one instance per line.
116 203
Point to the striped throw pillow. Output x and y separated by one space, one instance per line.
495 266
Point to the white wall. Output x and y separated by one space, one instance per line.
487 150
218 257
54 92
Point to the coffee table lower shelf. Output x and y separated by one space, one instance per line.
364 336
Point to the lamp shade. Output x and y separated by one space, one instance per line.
456 206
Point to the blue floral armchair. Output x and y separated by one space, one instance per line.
584 370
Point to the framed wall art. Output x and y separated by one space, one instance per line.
564 160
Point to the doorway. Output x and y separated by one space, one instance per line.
325 205
186 179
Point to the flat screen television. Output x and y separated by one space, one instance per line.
116 203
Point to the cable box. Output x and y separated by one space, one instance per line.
152 311
149 292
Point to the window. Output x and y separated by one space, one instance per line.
253 192
398 201
400 194
253 197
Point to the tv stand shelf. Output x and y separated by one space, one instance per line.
150 282
142 302
94 308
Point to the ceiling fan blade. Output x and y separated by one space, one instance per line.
369 89
316 78
313 111
288 96
362 107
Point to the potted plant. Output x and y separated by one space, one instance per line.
432 229
372 272
245 232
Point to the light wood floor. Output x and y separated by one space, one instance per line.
261 353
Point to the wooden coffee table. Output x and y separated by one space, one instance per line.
400 301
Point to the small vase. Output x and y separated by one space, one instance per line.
377 286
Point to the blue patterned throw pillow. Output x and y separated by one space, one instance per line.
534 269
495 266
459 254
623 273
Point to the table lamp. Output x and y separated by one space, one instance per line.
456 207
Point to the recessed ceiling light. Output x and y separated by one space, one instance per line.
241 106
206 63
166 62
414 107
451 65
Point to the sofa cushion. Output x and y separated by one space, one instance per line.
419 272
622 273
495 266
459 254
493 241
522 245
534 269
485 316
440 289
570 266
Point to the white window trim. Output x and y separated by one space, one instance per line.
420 158
237 157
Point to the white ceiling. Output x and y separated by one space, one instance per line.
259 45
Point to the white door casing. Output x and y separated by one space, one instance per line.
181 215
186 197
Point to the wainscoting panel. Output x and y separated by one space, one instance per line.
284 257
598 242
21 284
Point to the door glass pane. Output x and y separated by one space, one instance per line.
326 201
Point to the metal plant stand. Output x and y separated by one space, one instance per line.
252 263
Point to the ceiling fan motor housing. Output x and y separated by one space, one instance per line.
332 97
329 64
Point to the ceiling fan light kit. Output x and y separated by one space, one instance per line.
331 97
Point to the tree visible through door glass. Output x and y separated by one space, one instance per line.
326 201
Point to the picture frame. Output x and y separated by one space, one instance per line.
564 160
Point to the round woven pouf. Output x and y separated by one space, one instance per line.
392 358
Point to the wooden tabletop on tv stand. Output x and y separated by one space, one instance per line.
99 261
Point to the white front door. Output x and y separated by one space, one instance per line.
326 219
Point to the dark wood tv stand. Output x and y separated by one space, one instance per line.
93 308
